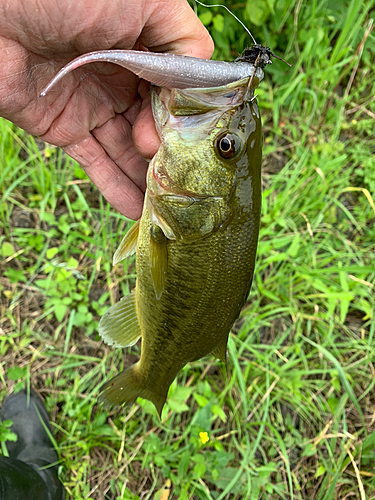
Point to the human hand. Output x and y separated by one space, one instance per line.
100 115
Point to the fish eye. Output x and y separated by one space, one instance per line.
227 145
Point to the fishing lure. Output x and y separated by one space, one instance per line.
259 55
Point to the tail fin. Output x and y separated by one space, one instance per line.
126 387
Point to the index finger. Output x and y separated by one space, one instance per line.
117 187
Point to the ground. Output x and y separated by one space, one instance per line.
294 416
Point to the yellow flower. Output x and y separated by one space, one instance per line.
204 437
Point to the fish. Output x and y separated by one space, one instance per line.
196 240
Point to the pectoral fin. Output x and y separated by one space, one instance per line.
158 259
119 326
128 246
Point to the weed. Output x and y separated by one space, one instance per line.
293 416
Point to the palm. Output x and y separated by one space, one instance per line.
99 114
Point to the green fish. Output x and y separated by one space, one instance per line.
196 241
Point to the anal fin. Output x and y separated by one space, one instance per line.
221 351
119 326
128 245
126 387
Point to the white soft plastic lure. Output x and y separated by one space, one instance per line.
167 70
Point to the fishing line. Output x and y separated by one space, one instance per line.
231 13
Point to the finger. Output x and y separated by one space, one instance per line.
115 136
86 102
133 110
135 107
117 188
174 27
145 136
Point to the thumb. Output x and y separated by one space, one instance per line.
172 26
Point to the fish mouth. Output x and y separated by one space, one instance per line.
166 202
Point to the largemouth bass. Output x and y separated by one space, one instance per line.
196 241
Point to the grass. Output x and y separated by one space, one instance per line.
294 417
